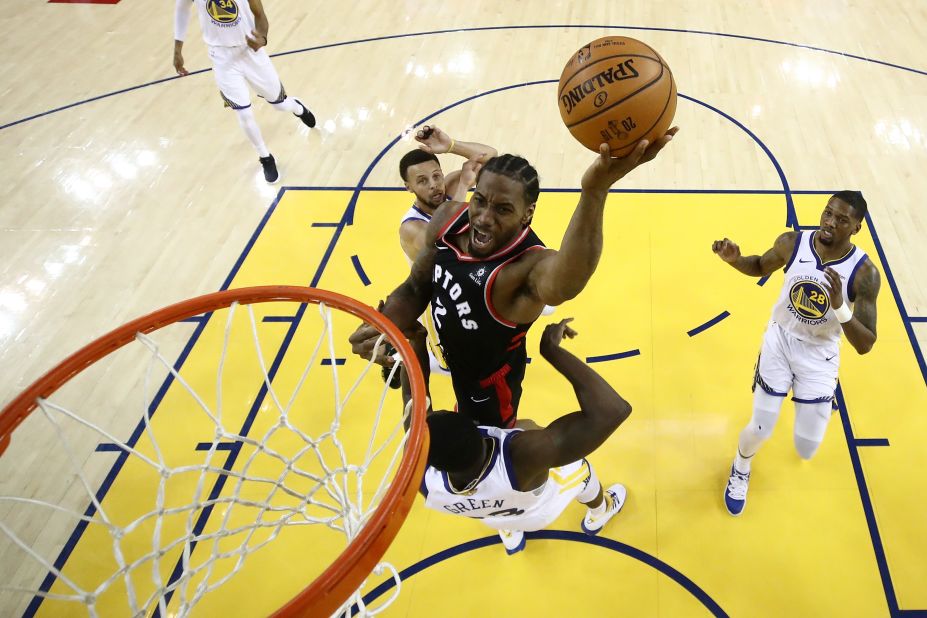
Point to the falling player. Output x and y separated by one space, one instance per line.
236 33
830 288
515 480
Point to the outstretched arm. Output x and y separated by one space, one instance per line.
757 265
456 184
181 24
562 274
860 328
570 437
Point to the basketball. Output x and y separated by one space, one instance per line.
616 90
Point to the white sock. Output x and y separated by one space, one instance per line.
600 510
742 463
288 104
251 129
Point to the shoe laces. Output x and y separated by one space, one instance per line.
737 485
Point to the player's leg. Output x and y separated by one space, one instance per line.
602 505
230 78
263 77
815 382
771 383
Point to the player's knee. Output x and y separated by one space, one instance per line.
765 414
806 448
810 425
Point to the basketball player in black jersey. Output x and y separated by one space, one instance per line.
488 276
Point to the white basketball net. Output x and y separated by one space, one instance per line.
190 526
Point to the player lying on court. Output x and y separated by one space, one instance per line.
517 481
488 276
236 33
830 288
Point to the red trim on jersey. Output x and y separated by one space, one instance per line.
503 394
451 222
487 292
466 257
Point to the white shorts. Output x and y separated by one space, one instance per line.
786 363
236 67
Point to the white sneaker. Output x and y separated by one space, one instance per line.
616 495
513 540
735 494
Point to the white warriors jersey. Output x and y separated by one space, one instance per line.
803 309
434 343
495 500
225 23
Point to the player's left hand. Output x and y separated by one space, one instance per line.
256 41
833 287
432 139
606 171
470 169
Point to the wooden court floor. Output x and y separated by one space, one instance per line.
116 206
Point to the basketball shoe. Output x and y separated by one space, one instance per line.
735 494
271 175
307 117
513 540
615 496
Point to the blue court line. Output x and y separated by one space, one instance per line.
109 447
114 471
196 319
871 442
877 547
551 535
762 280
278 318
338 361
480 29
610 357
906 320
327 224
575 190
222 446
790 214
917 318
360 270
708 324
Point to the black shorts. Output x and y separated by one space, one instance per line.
493 400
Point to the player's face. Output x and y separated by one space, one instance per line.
498 213
838 223
426 181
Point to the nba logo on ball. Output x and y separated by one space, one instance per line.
616 90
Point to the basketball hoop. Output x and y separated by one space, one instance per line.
266 491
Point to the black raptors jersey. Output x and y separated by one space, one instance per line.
477 341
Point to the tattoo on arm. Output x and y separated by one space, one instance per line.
867 289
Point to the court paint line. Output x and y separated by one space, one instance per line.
708 324
552 535
871 442
906 320
328 224
278 318
917 318
476 29
611 357
221 446
338 361
196 319
355 260
877 547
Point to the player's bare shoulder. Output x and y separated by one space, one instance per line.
785 244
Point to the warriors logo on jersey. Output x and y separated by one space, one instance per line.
808 299
222 11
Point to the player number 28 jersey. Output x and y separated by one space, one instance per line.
803 309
